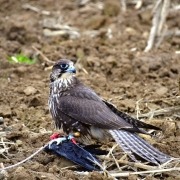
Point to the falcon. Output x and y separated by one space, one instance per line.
81 113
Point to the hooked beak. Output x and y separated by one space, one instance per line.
71 69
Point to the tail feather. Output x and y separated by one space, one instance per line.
123 145
138 148
134 147
153 150
132 143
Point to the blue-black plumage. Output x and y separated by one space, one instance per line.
76 154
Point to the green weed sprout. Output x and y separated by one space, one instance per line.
22 59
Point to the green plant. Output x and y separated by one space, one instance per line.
22 59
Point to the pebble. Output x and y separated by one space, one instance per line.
162 91
131 31
145 16
21 69
95 22
30 90
5 111
111 8
1 120
169 128
19 142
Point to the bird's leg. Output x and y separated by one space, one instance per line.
71 138
58 139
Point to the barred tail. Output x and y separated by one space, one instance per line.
131 143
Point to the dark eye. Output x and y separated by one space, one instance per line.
64 66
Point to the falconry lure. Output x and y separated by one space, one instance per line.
80 112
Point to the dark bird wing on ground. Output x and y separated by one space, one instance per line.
76 154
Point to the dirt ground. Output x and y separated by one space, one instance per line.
109 46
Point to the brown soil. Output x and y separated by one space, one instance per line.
117 67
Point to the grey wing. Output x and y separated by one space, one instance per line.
136 123
91 112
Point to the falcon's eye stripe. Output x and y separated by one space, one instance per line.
64 66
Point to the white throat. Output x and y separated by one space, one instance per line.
63 82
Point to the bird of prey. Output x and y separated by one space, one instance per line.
79 111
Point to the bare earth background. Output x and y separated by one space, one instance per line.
118 70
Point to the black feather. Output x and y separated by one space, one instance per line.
76 154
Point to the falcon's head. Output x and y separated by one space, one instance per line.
63 69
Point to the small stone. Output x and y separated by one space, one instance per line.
131 31
35 166
19 142
1 120
30 90
35 101
145 16
5 111
169 128
21 69
96 22
111 8
51 170
161 91
145 34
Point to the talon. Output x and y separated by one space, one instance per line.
57 141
